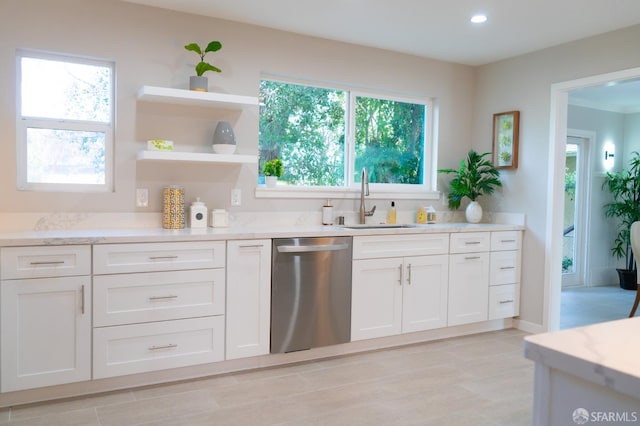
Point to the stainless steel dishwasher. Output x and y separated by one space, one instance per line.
310 292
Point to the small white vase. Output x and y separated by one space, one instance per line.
473 212
271 181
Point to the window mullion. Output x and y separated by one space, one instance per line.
350 149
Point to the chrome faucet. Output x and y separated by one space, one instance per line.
364 190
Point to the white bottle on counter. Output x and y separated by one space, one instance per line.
198 214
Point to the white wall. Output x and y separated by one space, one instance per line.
523 83
147 46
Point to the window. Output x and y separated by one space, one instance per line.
326 136
65 123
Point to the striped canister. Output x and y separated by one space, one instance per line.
173 207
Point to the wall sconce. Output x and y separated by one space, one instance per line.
609 154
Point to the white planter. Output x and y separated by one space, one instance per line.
199 83
271 181
473 212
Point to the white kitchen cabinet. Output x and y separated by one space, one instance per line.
157 306
46 321
393 295
504 280
468 278
248 298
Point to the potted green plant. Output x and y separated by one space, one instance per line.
624 187
272 170
476 176
199 82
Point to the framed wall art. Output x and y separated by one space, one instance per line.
506 131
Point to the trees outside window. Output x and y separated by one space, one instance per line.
65 123
326 136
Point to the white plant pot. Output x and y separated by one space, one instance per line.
271 181
473 212
199 83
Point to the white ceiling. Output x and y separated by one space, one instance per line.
438 29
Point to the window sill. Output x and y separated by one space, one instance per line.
291 192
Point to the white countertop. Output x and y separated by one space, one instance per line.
606 354
106 236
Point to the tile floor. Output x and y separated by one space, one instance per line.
481 380
589 305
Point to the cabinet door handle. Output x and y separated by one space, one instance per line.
82 299
169 346
507 267
49 262
162 257
401 273
502 302
251 245
409 274
471 257
171 296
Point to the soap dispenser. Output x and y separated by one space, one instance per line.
198 214
391 214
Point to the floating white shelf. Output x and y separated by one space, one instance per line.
197 157
191 97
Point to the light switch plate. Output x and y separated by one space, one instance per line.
236 197
142 197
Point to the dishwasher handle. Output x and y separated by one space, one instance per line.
312 248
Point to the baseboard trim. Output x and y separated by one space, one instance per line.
529 327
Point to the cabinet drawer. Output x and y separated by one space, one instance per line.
151 257
505 267
470 242
378 246
45 261
504 301
137 348
506 240
156 296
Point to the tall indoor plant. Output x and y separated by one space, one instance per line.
624 187
476 176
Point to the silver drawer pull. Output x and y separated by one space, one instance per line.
82 296
169 346
507 267
502 302
471 257
471 242
507 241
162 257
252 246
172 296
50 262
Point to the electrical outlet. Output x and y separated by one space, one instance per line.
236 197
142 197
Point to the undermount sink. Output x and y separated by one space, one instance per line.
376 226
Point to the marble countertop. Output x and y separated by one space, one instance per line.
605 354
106 236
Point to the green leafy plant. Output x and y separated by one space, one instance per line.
203 66
624 186
273 168
475 177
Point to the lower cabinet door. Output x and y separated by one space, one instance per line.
426 280
248 311
468 288
46 332
376 301
138 348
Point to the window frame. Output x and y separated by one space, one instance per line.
23 123
351 189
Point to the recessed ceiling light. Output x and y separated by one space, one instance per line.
479 19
